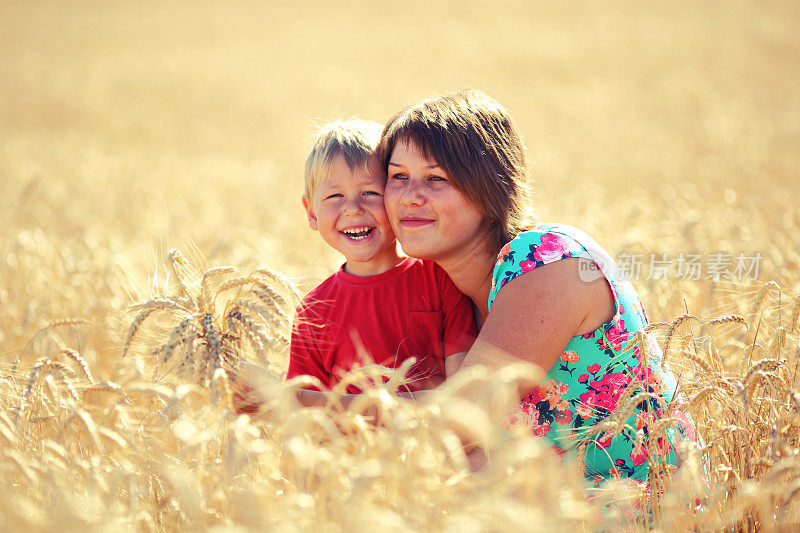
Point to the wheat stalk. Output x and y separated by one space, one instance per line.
177 262
794 320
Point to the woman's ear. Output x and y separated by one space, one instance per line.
312 217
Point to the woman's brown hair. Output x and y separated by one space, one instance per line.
475 141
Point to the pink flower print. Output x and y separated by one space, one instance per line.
603 444
639 456
610 389
616 335
570 356
563 415
555 390
526 266
655 382
589 401
597 480
530 409
551 248
641 365
503 252
617 381
621 310
603 395
518 418
594 368
540 430
535 396
643 419
583 378
614 471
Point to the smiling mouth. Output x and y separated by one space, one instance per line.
412 222
357 234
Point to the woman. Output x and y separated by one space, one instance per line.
549 295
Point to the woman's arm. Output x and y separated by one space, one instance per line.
535 315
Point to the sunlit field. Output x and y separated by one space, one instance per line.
669 132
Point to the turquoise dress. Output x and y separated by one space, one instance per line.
588 381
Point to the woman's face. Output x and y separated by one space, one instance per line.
430 216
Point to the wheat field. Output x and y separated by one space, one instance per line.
130 130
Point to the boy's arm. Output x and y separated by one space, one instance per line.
305 357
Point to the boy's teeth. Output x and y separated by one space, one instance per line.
357 233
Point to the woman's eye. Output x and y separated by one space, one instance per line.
437 178
398 177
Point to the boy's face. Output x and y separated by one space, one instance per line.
347 210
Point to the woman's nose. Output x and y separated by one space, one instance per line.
412 194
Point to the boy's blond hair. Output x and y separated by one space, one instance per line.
354 139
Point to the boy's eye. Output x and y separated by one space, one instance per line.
374 193
334 195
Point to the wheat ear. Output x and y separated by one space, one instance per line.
147 309
205 302
213 345
176 262
670 332
177 337
281 280
80 361
65 376
33 378
758 305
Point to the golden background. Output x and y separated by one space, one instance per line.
130 128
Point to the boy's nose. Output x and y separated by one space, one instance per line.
353 206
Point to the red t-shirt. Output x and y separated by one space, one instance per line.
413 309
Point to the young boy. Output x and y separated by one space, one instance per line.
379 307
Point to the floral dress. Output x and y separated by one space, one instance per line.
595 370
